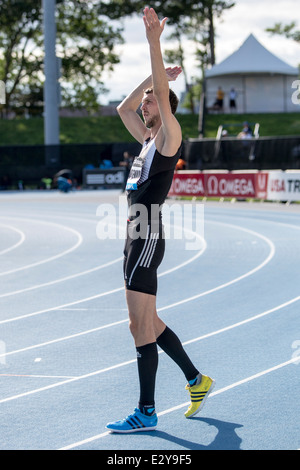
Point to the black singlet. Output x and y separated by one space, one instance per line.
150 177
147 187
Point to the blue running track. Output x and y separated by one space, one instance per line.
67 359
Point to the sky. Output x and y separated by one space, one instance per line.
246 17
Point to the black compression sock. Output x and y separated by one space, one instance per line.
169 342
147 360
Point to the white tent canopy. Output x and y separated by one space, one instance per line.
262 81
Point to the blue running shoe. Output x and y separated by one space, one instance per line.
133 423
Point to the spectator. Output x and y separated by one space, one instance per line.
246 132
218 104
46 183
106 164
232 99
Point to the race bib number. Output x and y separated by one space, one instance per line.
136 170
135 174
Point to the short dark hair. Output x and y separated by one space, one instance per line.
172 98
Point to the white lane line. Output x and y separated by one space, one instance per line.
65 338
113 291
233 281
66 278
193 340
236 384
119 289
32 376
243 322
103 309
13 247
131 361
60 307
52 258
83 273
62 279
183 405
126 320
58 384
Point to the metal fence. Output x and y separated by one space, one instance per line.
264 153
31 163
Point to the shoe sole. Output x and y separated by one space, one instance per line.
129 431
204 399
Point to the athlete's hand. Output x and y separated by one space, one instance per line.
173 72
153 26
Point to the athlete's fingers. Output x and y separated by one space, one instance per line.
145 22
147 16
151 19
164 22
151 15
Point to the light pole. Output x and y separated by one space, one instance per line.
51 99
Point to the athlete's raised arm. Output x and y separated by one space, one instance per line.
170 138
128 111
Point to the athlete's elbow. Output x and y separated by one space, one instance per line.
120 108
122 112
124 109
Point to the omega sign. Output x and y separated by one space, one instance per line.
188 185
234 185
231 186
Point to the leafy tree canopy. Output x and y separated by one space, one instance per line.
85 43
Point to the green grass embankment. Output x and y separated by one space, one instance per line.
110 128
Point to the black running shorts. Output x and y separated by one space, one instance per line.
142 256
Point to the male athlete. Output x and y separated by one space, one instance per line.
148 184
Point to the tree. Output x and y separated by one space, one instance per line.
85 43
188 16
18 35
192 20
288 31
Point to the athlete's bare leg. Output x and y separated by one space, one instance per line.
144 323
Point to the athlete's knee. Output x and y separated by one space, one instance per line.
133 327
158 325
141 326
137 324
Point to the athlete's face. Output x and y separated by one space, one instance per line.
150 110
